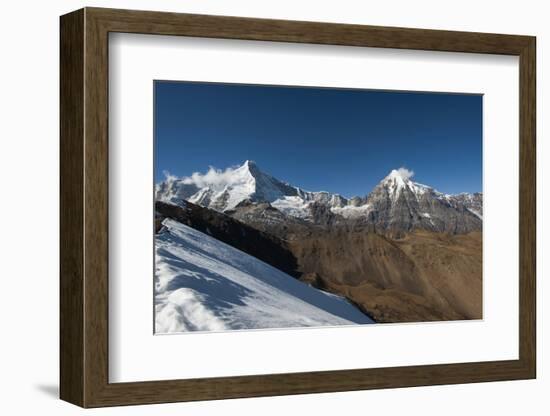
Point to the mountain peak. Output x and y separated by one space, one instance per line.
397 180
249 163
251 167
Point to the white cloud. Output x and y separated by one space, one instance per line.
169 177
216 179
404 173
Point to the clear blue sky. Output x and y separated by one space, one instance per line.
336 140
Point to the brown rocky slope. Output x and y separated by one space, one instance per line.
425 276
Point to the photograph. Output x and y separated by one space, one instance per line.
280 207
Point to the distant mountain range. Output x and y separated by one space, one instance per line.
396 205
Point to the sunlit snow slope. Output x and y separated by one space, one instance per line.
202 284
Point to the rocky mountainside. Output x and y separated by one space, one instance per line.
472 202
397 205
424 276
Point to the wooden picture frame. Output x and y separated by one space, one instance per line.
84 207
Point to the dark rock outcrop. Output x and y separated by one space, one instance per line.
263 246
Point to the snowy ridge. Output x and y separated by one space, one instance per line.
202 284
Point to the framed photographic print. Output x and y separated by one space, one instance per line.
260 207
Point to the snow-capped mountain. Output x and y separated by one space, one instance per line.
224 190
397 203
203 284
